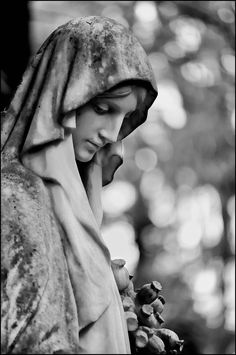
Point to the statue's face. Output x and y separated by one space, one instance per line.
99 123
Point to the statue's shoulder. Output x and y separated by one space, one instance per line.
25 204
25 229
21 183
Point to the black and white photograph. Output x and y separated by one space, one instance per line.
118 177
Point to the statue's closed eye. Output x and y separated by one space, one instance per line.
101 108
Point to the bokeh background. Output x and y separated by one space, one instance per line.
170 211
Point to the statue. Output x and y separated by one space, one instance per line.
88 87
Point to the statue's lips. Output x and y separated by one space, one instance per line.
94 145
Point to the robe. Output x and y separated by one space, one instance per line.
39 309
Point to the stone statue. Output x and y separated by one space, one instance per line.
89 86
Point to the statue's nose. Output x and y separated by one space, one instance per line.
111 130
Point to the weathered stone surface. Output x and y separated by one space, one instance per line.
38 307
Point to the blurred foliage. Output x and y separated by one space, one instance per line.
178 176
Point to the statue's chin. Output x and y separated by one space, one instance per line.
85 156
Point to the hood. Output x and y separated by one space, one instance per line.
79 60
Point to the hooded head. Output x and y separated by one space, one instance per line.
83 59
